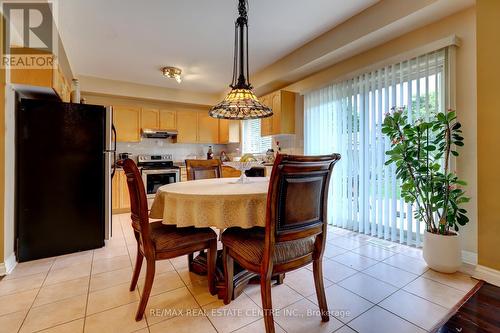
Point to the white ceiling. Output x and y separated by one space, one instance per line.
129 40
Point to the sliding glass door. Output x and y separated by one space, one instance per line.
346 117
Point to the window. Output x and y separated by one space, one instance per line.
252 141
346 117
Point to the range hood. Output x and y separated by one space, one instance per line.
158 133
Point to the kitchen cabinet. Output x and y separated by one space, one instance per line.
168 120
158 119
197 127
208 128
127 121
266 124
187 127
183 173
52 78
227 172
283 120
120 199
150 118
229 131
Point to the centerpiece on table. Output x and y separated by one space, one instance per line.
245 163
421 153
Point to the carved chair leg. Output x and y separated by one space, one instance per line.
148 284
190 261
137 269
228 275
320 288
267 306
211 259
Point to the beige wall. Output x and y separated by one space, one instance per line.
2 161
488 117
103 99
461 24
93 85
2 148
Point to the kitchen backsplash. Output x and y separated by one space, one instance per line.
179 151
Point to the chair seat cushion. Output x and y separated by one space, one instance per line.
249 244
169 237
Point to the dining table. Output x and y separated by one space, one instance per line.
217 203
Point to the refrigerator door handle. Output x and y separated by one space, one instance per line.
113 170
113 129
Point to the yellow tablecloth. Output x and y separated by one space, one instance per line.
217 202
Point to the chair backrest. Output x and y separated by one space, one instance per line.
297 197
203 169
138 204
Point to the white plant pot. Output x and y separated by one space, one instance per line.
442 253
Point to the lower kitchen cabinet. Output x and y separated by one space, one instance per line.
120 200
183 173
230 172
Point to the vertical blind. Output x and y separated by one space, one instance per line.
346 117
252 141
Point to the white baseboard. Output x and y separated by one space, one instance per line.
10 263
487 274
469 257
469 262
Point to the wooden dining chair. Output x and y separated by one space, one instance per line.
295 230
156 241
203 169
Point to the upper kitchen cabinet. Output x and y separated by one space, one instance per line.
266 124
283 120
150 118
127 121
52 78
187 126
229 131
158 119
197 127
208 128
168 120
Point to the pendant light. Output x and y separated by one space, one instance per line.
241 103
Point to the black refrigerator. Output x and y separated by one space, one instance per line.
64 165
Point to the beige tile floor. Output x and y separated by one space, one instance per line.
368 288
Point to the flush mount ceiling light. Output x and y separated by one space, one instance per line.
172 72
241 103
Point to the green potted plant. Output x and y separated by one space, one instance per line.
421 153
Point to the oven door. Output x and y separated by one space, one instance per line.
153 179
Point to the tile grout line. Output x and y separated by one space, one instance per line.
362 271
88 293
60 324
133 268
192 295
400 288
38 292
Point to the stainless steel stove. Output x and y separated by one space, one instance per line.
157 170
